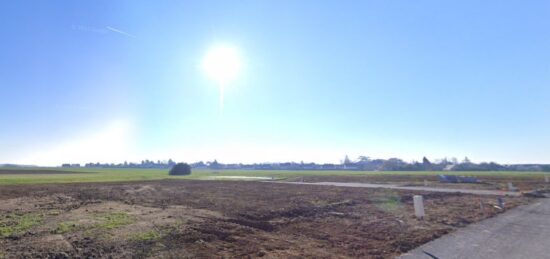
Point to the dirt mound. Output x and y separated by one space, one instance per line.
140 190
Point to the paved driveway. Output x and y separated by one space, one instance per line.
523 233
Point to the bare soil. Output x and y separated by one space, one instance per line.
213 219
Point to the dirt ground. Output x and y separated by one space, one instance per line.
217 219
496 182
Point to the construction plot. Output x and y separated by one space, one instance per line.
205 219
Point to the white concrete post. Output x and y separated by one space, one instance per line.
418 206
511 187
546 178
425 183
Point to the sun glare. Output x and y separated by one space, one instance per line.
222 63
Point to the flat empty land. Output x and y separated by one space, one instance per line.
206 219
35 172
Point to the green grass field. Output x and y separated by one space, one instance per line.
115 175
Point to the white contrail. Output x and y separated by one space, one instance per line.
119 31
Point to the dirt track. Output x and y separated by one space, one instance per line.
411 188
208 219
488 182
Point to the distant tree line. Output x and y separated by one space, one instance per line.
362 163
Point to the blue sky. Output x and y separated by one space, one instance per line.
110 81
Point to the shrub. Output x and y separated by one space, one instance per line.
180 169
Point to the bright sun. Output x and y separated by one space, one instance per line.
222 63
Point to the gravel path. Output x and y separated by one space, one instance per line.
412 188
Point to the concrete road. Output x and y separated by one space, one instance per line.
412 188
523 232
